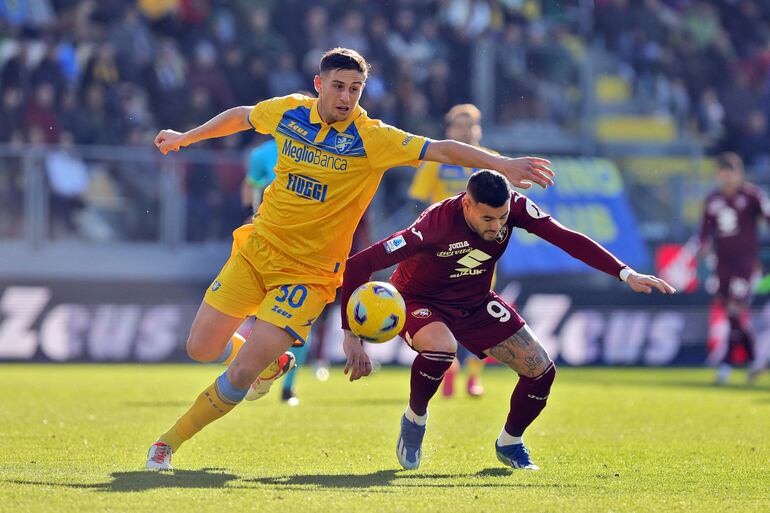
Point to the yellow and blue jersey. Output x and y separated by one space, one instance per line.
434 182
326 176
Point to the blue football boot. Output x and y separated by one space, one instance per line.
409 447
515 456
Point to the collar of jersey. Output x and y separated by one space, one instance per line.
339 126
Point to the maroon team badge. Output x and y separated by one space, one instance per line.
502 234
422 313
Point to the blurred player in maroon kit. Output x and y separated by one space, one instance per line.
446 259
730 218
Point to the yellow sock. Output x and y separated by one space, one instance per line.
210 405
475 366
237 343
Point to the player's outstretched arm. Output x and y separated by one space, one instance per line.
228 122
521 172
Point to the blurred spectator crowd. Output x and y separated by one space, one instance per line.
113 72
705 62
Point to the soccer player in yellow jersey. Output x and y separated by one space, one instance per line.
289 262
436 181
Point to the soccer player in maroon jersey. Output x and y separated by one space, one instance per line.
730 218
446 259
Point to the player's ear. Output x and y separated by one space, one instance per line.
317 83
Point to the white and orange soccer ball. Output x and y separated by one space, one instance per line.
376 312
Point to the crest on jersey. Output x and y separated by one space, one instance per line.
343 142
422 313
502 234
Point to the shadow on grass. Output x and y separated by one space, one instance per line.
143 480
383 481
398 479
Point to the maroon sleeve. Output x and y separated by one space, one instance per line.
706 225
577 245
526 214
764 204
385 253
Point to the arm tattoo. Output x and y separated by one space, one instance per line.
523 353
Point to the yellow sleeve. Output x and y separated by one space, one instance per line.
266 115
387 146
424 182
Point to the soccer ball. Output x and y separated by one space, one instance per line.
376 312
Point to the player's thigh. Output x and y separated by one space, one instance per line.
489 324
210 332
293 308
435 336
427 329
265 343
522 352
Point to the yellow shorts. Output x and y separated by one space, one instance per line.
260 280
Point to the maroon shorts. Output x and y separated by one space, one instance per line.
735 286
492 322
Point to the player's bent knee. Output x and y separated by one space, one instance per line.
548 376
201 352
242 373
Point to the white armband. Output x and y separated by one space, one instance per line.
625 273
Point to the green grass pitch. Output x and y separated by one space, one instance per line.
74 438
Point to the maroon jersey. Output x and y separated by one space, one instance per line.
732 223
444 262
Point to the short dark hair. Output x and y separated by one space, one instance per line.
489 187
729 160
344 58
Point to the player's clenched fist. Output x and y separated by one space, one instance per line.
169 140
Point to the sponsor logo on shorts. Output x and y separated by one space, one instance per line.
422 313
394 244
215 286
280 311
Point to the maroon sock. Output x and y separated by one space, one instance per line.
739 335
427 371
528 400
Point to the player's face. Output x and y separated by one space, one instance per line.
338 93
464 129
483 219
729 179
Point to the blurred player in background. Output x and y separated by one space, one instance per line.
730 220
290 261
446 259
434 182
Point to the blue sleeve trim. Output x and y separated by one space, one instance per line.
424 149
336 267
294 334
248 120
